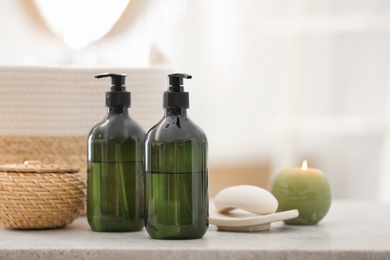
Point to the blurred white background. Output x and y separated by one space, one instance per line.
273 81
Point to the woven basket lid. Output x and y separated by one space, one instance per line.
37 167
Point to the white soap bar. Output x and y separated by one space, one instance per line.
247 197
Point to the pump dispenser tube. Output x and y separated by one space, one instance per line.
176 178
115 192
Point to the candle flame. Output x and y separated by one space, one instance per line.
304 165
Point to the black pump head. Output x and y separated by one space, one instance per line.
175 81
118 96
175 95
117 80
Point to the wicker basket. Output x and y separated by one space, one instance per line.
37 196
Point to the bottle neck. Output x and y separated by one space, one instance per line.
117 110
175 111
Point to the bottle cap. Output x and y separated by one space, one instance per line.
175 96
118 96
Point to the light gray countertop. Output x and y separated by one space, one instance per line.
351 230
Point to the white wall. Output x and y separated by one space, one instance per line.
273 80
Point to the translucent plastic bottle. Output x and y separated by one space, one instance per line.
115 192
176 178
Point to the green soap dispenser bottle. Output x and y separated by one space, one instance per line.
176 179
115 191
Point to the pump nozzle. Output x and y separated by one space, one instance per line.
117 80
118 96
175 96
175 81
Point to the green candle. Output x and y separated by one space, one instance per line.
305 189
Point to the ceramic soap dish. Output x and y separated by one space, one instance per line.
246 208
241 220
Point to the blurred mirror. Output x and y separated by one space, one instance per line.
79 23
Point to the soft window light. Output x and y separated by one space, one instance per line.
80 23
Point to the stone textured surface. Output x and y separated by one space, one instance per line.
351 230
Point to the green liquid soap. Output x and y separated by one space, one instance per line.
114 190
179 203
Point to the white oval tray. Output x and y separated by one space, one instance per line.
241 220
